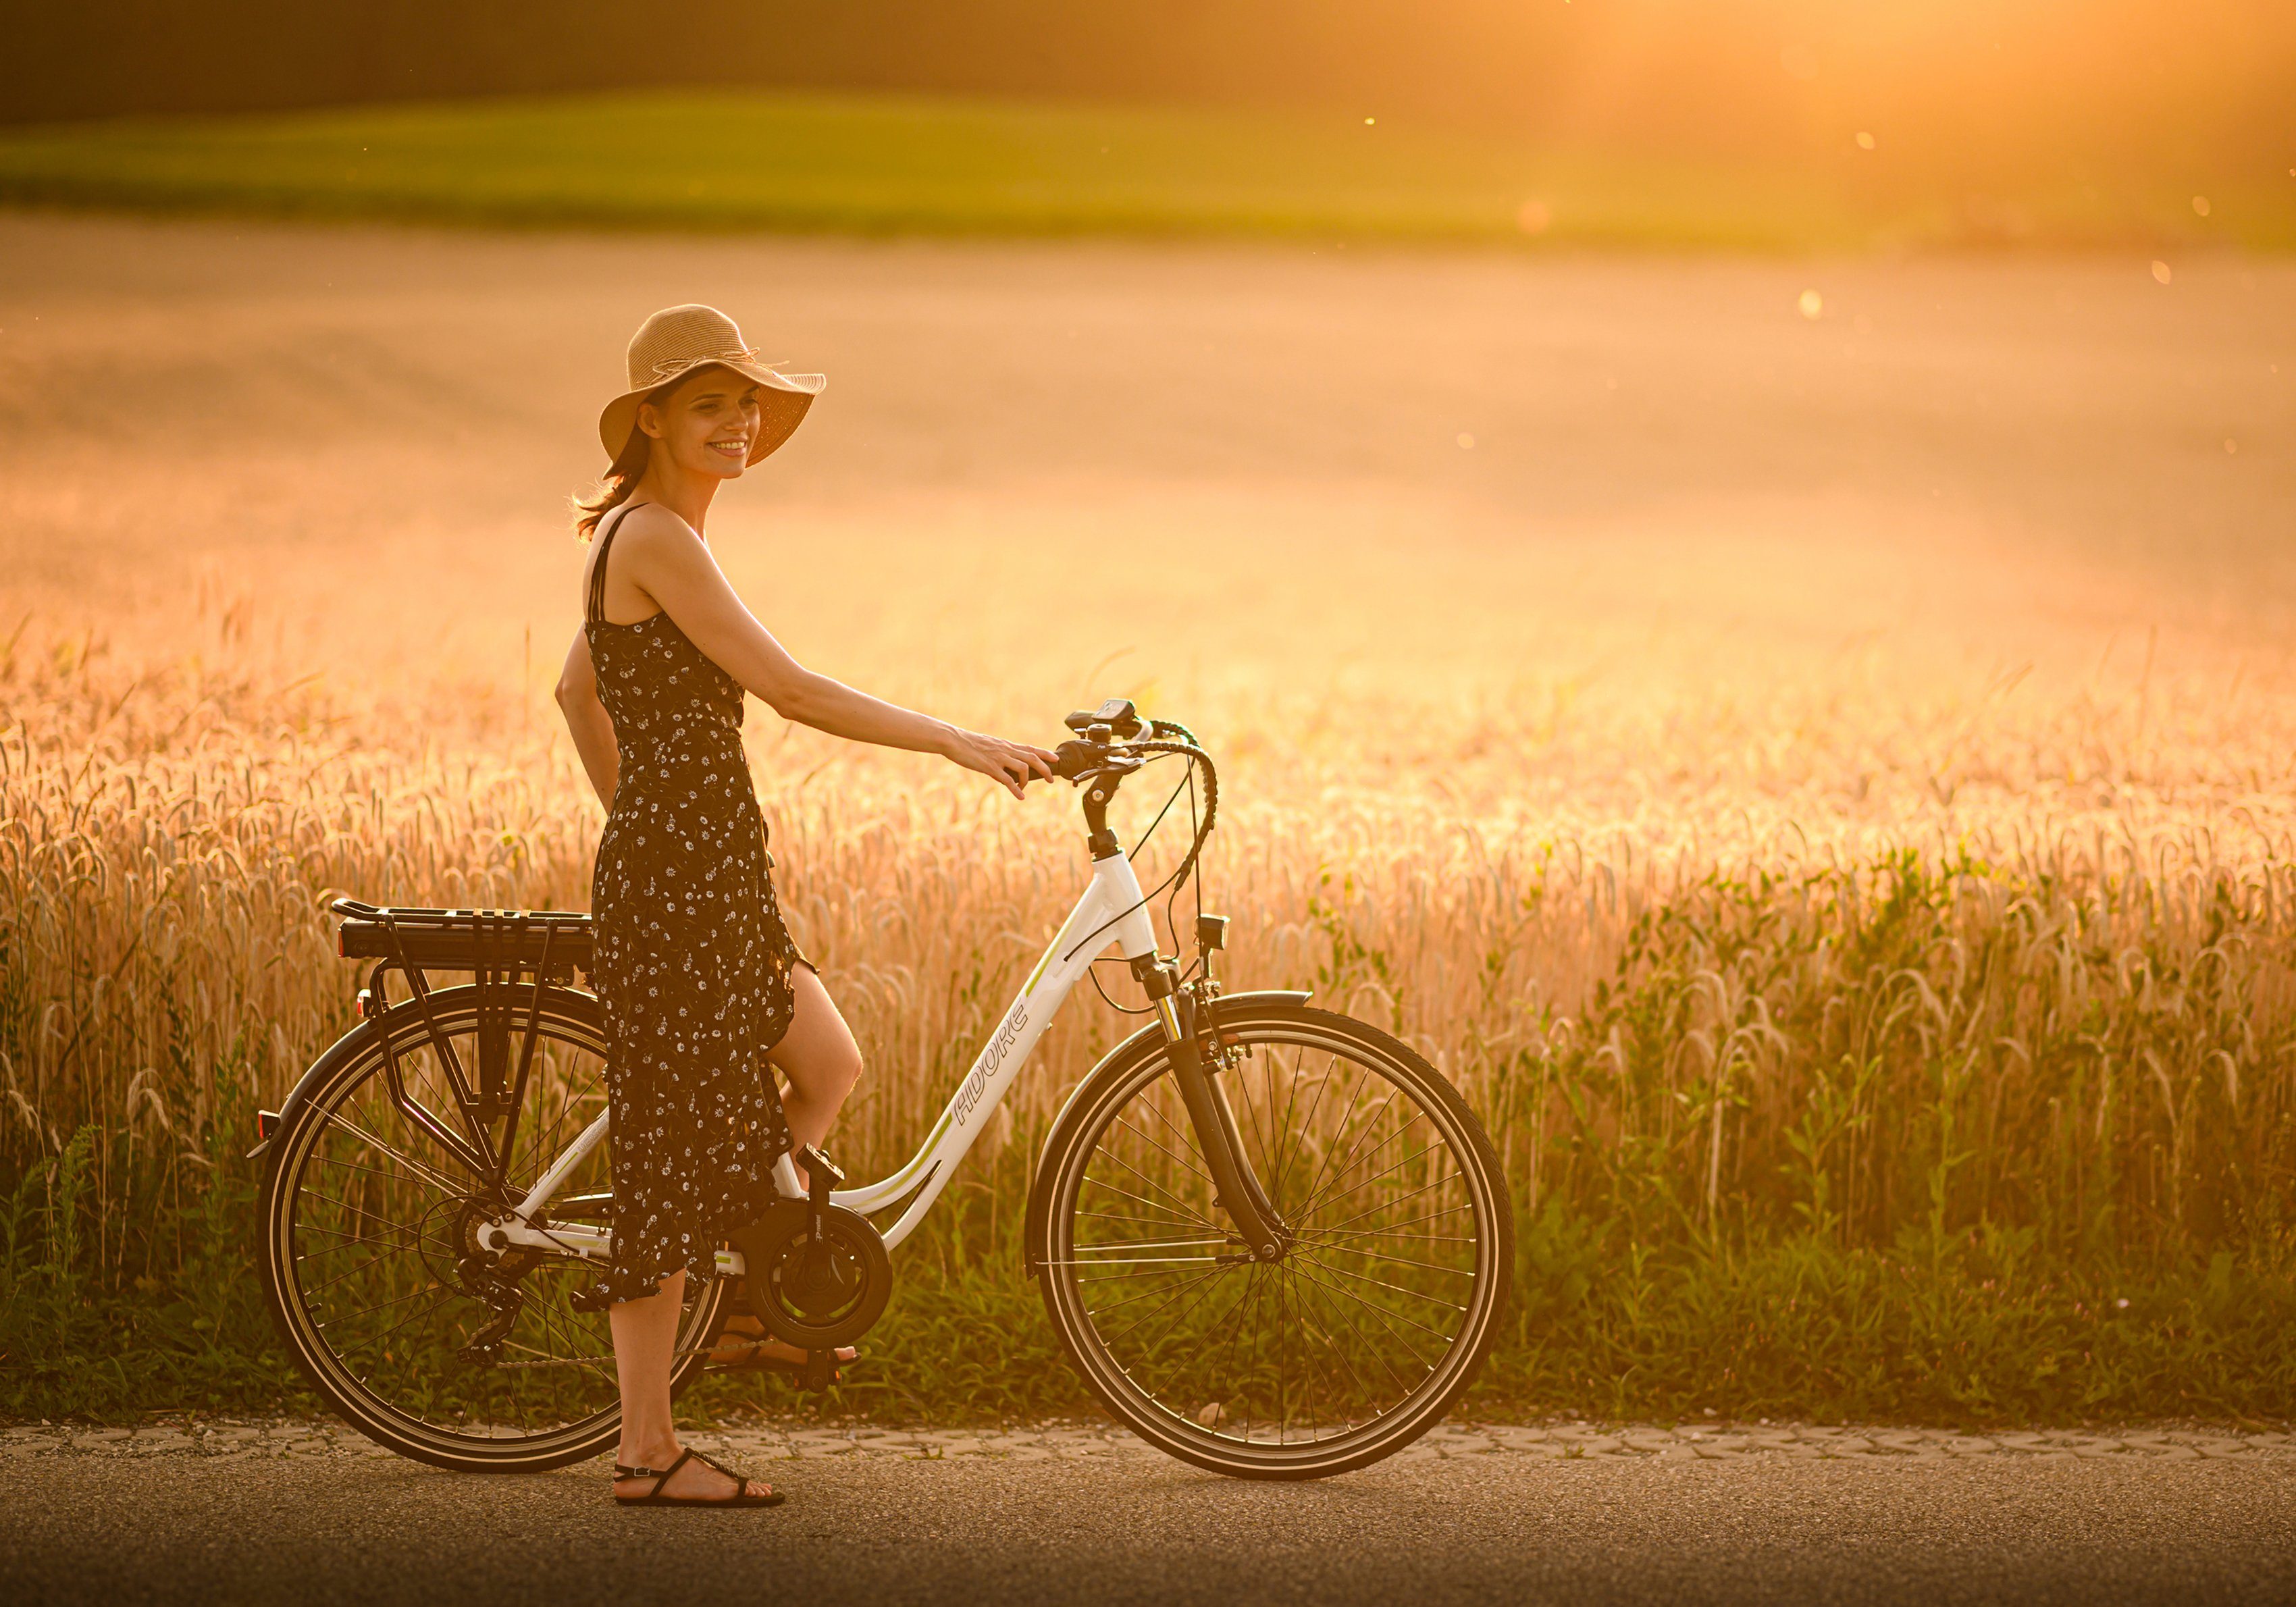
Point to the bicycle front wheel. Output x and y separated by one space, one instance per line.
368 1251
1380 1309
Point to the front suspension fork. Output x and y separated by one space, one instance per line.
1236 1186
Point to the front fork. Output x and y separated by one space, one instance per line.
1236 1186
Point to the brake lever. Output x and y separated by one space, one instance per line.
1080 762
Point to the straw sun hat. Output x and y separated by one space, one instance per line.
678 340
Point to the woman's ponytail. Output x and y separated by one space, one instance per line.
615 488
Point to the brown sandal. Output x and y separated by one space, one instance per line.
661 1476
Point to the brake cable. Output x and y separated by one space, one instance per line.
1193 752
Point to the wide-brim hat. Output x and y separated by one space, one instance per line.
678 341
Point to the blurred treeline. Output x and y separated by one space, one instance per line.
1982 89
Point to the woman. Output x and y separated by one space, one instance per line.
700 984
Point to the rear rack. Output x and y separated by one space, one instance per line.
556 942
516 956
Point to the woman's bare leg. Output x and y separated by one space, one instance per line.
645 1344
645 1336
822 1063
820 1059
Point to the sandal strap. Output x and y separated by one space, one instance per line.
662 1474
734 1474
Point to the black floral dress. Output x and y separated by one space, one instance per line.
693 962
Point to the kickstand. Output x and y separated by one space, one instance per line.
820 1370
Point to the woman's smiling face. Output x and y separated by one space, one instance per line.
707 425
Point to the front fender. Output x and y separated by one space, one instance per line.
1120 1061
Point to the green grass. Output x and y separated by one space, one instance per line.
1980 1330
910 164
1916 1248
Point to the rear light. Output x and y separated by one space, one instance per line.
266 1123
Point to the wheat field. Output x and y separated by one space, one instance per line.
1822 784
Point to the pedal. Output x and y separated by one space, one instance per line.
820 1371
823 1172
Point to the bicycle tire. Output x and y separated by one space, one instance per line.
356 1063
1110 1365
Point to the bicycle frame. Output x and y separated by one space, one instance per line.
1111 911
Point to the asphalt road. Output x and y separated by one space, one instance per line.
879 1529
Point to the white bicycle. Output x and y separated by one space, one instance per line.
1275 1241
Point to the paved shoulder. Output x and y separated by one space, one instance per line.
298 1513
1562 1441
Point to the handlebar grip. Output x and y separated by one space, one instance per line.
1072 761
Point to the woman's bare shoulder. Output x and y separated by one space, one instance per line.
657 540
654 524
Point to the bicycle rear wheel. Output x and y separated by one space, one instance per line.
1382 1308
367 1241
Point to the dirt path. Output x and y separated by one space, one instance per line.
291 1513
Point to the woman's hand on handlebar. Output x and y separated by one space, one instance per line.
1013 764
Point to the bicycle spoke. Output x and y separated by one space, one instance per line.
1156 1222
1395 1231
1153 1183
367 1241
1377 1354
1155 1244
1308 1125
1365 1277
383 1305
1359 1155
1181 1281
310 1289
376 1171
1387 1311
360 1211
438 1180
437 1298
396 1348
1380 1314
1113 1277
1336 1347
1193 1221
1144 1138
1170 1290
1391 1172
1347 1330
1457 1272
1391 1204
1370 1126
1285 1126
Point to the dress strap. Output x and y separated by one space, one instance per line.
594 605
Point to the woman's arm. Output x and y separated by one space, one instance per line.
586 718
668 561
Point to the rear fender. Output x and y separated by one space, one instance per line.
408 1029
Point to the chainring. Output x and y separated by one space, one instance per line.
816 1292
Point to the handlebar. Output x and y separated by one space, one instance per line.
1099 755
